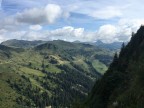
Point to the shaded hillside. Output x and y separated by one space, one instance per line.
22 43
122 84
7 52
110 46
114 46
55 74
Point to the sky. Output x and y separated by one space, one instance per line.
70 20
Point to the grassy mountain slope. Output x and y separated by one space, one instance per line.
122 84
53 74
22 43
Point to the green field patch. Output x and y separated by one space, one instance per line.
27 70
100 67
82 64
52 68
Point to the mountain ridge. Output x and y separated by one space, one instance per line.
55 73
27 44
22 43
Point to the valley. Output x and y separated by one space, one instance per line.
71 54
55 73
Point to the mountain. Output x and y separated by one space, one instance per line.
22 43
55 73
110 46
27 44
122 86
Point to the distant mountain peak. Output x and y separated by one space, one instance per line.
99 42
77 41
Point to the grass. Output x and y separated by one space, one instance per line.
5 68
60 61
100 67
80 62
53 69
35 83
29 71
7 94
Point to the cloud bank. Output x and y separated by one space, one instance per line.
83 20
107 33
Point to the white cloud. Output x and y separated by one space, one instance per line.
79 32
111 33
33 35
35 27
53 12
66 33
28 23
131 23
107 33
6 35
69 31
106 13
119 32
45 15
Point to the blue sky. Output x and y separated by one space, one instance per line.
70 20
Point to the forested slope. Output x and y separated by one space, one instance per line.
122 86
55 73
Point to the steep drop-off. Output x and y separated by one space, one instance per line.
122 86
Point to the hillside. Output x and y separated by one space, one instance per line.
56 73
114 46
122 85
22 43
111 46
